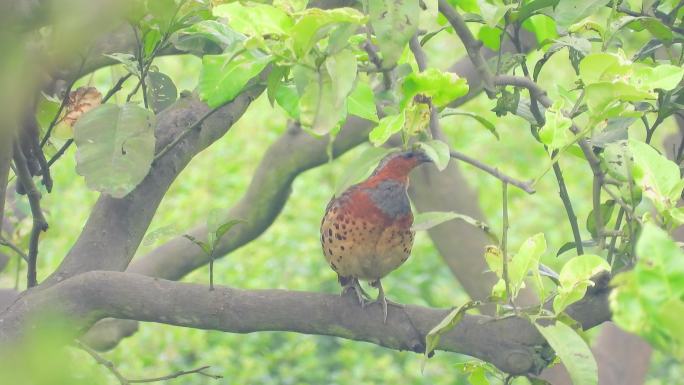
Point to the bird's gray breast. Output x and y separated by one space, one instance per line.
391 198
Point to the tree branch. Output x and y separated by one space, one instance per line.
509 343
525 186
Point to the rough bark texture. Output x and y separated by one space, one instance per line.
509 343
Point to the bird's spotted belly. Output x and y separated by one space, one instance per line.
363 248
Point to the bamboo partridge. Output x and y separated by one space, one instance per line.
366 231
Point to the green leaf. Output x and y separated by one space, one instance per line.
648 299
665 77
319 110
657 176
161 92
543 27
493 13
115 147
314 24
573 352
478 376
490 36
202 245
207 37
430 219
274 80
127 60
442 87
223 230
446 324
494 258
287 98
387 126
394 23
593 67
603 97
482 120
224 76
342 69
606 212
618 160
556 132
525 260
568 12
531 7
438 151
361 167
255 19
575 278
361 102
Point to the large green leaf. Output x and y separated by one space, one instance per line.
442 87
481 119
255 19
322 103
342 69
575 278
115 147
386 127
287 98
556 130
314 23
572 351
603 97
648 300
657 176
224 76
568 12
526 259
207 37
394 23
161 92
361 102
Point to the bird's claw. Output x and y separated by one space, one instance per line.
360 294
383 301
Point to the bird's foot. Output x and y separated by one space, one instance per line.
382 300
354 286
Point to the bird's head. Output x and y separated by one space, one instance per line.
399 164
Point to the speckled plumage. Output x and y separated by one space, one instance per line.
366 231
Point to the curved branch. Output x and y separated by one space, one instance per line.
509 343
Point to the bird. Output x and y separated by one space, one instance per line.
366 231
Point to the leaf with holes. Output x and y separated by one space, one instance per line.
394 23
161 92
115 147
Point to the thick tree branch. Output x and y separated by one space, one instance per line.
509 343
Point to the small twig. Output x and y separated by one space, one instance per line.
103 361
39 222
598 215
60 152
471 44
183 135
125 381
567 203
117 86
15 248
377 62
200 371
525 186
141 68
504 246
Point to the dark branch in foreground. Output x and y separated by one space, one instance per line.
509 343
